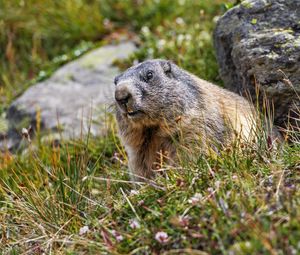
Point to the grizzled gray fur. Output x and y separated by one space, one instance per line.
161 107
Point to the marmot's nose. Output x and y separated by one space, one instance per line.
122 96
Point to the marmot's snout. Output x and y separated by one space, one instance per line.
122 95
125 99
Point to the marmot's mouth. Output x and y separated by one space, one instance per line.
134 113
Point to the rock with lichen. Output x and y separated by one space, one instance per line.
258 50
72 102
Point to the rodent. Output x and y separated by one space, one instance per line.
160 106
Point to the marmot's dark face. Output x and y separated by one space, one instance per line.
149 91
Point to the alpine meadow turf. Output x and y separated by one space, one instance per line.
75 197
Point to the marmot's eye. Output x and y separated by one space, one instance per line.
149 75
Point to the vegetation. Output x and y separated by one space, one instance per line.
75 197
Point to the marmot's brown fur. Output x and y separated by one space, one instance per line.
160 105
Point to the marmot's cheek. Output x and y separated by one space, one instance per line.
138 103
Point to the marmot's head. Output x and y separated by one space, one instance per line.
152 91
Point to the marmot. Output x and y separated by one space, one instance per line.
160 105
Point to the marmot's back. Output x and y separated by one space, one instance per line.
237 112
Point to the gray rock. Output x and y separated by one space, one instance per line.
73 101
258 45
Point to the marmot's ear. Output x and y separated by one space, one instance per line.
166 66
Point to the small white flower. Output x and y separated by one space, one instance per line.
161 237
134 224
43 73
25 133
210 190
234 177
179 21
216 19
205 36
119 238
161 43
64 57
134 192
84 230
195 199
188 37
145 30
248 244
117 235
180 39
77 53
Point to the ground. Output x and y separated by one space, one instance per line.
76 198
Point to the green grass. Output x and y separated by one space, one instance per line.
248 202
234 203
34 33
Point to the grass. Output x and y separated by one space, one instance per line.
34 33
236 203
75 197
